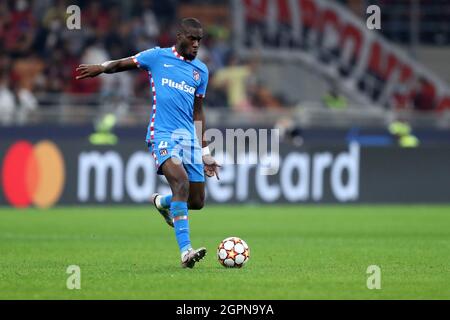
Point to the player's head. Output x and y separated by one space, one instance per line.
189 34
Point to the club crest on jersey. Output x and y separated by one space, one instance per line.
196 75
163 152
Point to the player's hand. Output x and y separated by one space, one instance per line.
211 166
89 70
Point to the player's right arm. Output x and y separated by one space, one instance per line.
93 70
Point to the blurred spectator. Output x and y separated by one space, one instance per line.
19 29
334 100
55 73
27 103
261 96
116 90
42 54
26 70
289 131
55 16
233 79
218 44
95 53
7 101
96 17
244 90
167 36
15 103
39 54
165 11
5 17
149 21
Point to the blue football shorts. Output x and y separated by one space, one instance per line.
187 152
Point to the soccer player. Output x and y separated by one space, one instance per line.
178 81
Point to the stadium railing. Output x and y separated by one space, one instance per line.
67 110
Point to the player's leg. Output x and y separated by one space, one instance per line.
178 181
196 198
163 201
161 154
196 178
162 204
196 175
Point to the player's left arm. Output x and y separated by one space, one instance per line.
211 166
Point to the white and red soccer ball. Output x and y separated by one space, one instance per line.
233 252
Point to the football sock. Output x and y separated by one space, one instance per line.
179 212
164 201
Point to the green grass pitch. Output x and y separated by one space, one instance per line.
297 252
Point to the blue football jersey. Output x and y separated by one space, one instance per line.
174 81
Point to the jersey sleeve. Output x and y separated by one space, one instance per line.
201 89
146 59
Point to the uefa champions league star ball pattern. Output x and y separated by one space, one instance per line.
233 252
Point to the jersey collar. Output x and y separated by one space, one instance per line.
179 56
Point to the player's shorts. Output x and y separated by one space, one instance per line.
186 151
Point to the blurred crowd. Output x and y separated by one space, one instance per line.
39 54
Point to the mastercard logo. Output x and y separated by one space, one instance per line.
33 174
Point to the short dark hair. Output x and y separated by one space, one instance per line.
189 23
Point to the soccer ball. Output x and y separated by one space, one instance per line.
233 252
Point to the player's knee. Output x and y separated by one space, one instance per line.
197 203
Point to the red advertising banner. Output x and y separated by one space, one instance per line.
327 37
